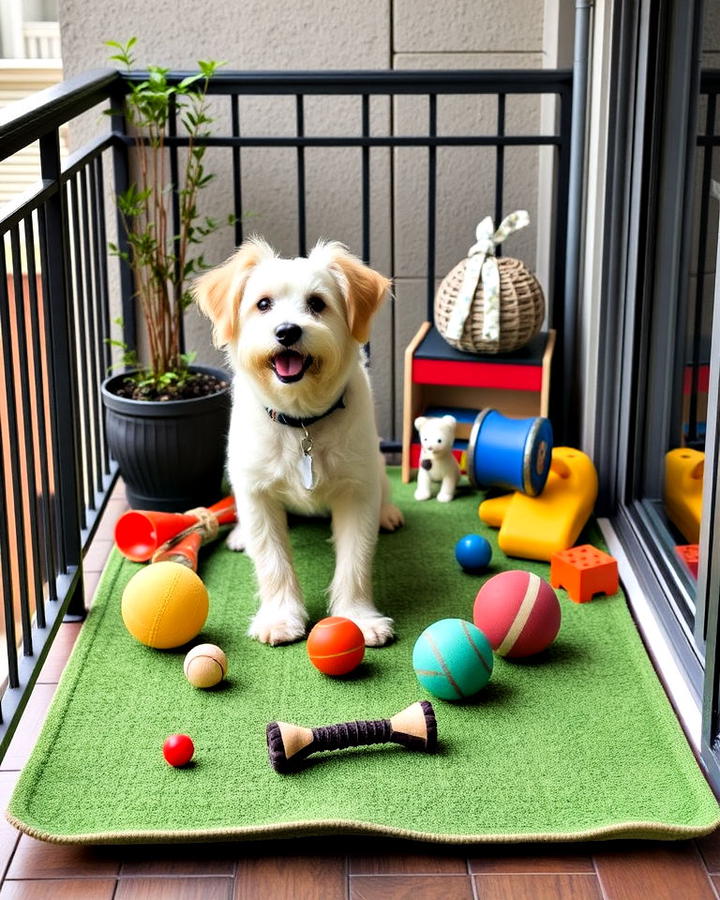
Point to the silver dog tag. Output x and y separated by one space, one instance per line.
307 476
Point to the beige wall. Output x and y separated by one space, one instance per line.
340 34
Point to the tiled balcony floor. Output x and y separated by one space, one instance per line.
326 869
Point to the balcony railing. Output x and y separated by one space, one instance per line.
55 276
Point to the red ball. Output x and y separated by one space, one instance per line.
336 645
518 612
178 750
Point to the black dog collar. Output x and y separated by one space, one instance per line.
283 419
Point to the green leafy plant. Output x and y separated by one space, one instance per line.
163 261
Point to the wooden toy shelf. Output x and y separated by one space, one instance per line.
440 379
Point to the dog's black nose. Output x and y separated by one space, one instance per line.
288 334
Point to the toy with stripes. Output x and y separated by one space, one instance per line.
452 659
414 728
518 612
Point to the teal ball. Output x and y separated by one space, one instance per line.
453 659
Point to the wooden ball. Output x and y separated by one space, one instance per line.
164 605
519 612
205 666
336 645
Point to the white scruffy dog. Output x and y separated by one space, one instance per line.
302 432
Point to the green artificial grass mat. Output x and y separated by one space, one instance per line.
578 743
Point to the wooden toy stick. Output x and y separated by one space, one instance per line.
414 728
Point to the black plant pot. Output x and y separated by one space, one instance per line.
171 453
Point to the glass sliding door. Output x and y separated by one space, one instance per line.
660 405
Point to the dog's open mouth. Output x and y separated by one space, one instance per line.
290 365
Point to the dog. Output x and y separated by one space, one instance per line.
302 434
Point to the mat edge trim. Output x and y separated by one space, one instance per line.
339 827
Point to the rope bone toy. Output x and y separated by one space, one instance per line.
414 728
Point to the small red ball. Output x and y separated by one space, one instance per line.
178 750
336 646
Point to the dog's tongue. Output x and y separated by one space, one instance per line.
288 364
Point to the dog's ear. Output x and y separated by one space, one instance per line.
364 289
218 292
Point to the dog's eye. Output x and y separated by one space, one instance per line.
264 304
315 304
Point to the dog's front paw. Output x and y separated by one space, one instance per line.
236 539
276 627
377 630
422 494
445 496
390 517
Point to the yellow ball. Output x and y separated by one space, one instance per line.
164 605
205 666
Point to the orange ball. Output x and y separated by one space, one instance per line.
336 646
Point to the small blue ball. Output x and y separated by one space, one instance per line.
473 552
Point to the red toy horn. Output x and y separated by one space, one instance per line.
140 533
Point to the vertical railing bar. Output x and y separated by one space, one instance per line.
366 180
432 200
81 352
175 236
14 448
121 174
46 514
64 370
8 607
700 282
91 374
103 303
54 498
30 448
499 166
300 131
237 169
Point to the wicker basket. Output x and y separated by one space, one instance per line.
522 308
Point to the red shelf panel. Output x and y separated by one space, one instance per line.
477 374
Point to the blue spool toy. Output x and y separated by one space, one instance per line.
509 453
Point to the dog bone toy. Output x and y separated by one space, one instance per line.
414 728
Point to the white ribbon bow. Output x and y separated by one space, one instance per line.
482 266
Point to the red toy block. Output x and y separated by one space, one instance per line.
688 553
584 571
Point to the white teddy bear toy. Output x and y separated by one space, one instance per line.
437 462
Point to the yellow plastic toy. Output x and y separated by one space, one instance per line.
683 490
537 527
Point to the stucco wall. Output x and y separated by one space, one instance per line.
340 34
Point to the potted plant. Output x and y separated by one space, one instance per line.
166 419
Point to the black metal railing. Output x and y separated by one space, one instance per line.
54 318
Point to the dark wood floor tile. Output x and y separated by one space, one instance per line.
173 889
168 859
538 887
37 859
710 849
67 889
661 871
377 857
410 887
528 859
299 877
59 653
29 728
9 836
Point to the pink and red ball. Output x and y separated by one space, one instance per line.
518 612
